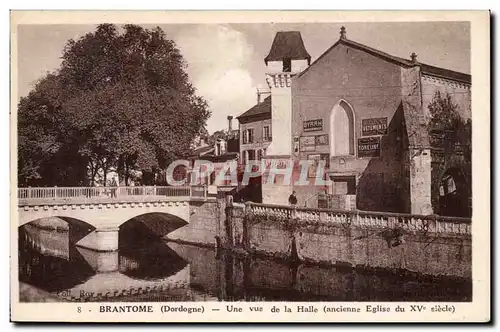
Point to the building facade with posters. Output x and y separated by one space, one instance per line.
366 114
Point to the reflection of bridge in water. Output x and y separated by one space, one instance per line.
189 273
45 253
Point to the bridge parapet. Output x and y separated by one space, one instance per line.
96 195
371 219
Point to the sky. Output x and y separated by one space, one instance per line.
226 62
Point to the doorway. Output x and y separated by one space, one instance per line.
343 192
454 194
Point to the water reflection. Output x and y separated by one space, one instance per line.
146 268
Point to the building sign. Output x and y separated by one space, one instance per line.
374 126
313 125
322 139
369 147
307 143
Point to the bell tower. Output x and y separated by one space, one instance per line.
287 57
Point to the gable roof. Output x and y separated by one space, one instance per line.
264 108
424 68
445 73
288 44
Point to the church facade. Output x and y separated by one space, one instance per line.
373 118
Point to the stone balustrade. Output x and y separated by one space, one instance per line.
49 195
382 220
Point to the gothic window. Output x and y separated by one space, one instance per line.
342 130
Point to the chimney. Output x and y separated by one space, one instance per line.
258 96
343 33
413 57
230 123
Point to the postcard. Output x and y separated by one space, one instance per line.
189 166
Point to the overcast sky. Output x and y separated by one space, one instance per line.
226 62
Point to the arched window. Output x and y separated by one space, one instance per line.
342 130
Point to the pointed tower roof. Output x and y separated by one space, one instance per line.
288 45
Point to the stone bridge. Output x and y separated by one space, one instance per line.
102 210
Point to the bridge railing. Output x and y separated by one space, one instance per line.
372 219
95 192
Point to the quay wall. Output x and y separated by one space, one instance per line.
424 245
205 218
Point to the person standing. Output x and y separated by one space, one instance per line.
292 199
113 188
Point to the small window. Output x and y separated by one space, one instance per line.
250 136
266 133
245 137
251 154
259 154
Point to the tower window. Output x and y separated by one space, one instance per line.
287 65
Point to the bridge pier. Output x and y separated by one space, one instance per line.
101 239
101 261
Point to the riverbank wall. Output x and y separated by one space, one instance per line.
427 245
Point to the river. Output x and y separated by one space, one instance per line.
152 269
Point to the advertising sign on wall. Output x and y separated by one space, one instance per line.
321 139
374 126
369 147
313 125
307 143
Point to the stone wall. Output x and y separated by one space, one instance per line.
205 221
373 247
415 244
460 93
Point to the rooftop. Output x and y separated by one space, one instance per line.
424 68
288 45
262 108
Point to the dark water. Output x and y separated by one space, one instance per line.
147 268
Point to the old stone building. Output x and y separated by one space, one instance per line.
255 130
368 115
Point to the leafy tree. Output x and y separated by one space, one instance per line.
120 101
451 137
446 120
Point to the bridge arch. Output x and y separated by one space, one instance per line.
110 215
149 225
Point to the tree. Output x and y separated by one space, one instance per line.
446 120
451 139
120 101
